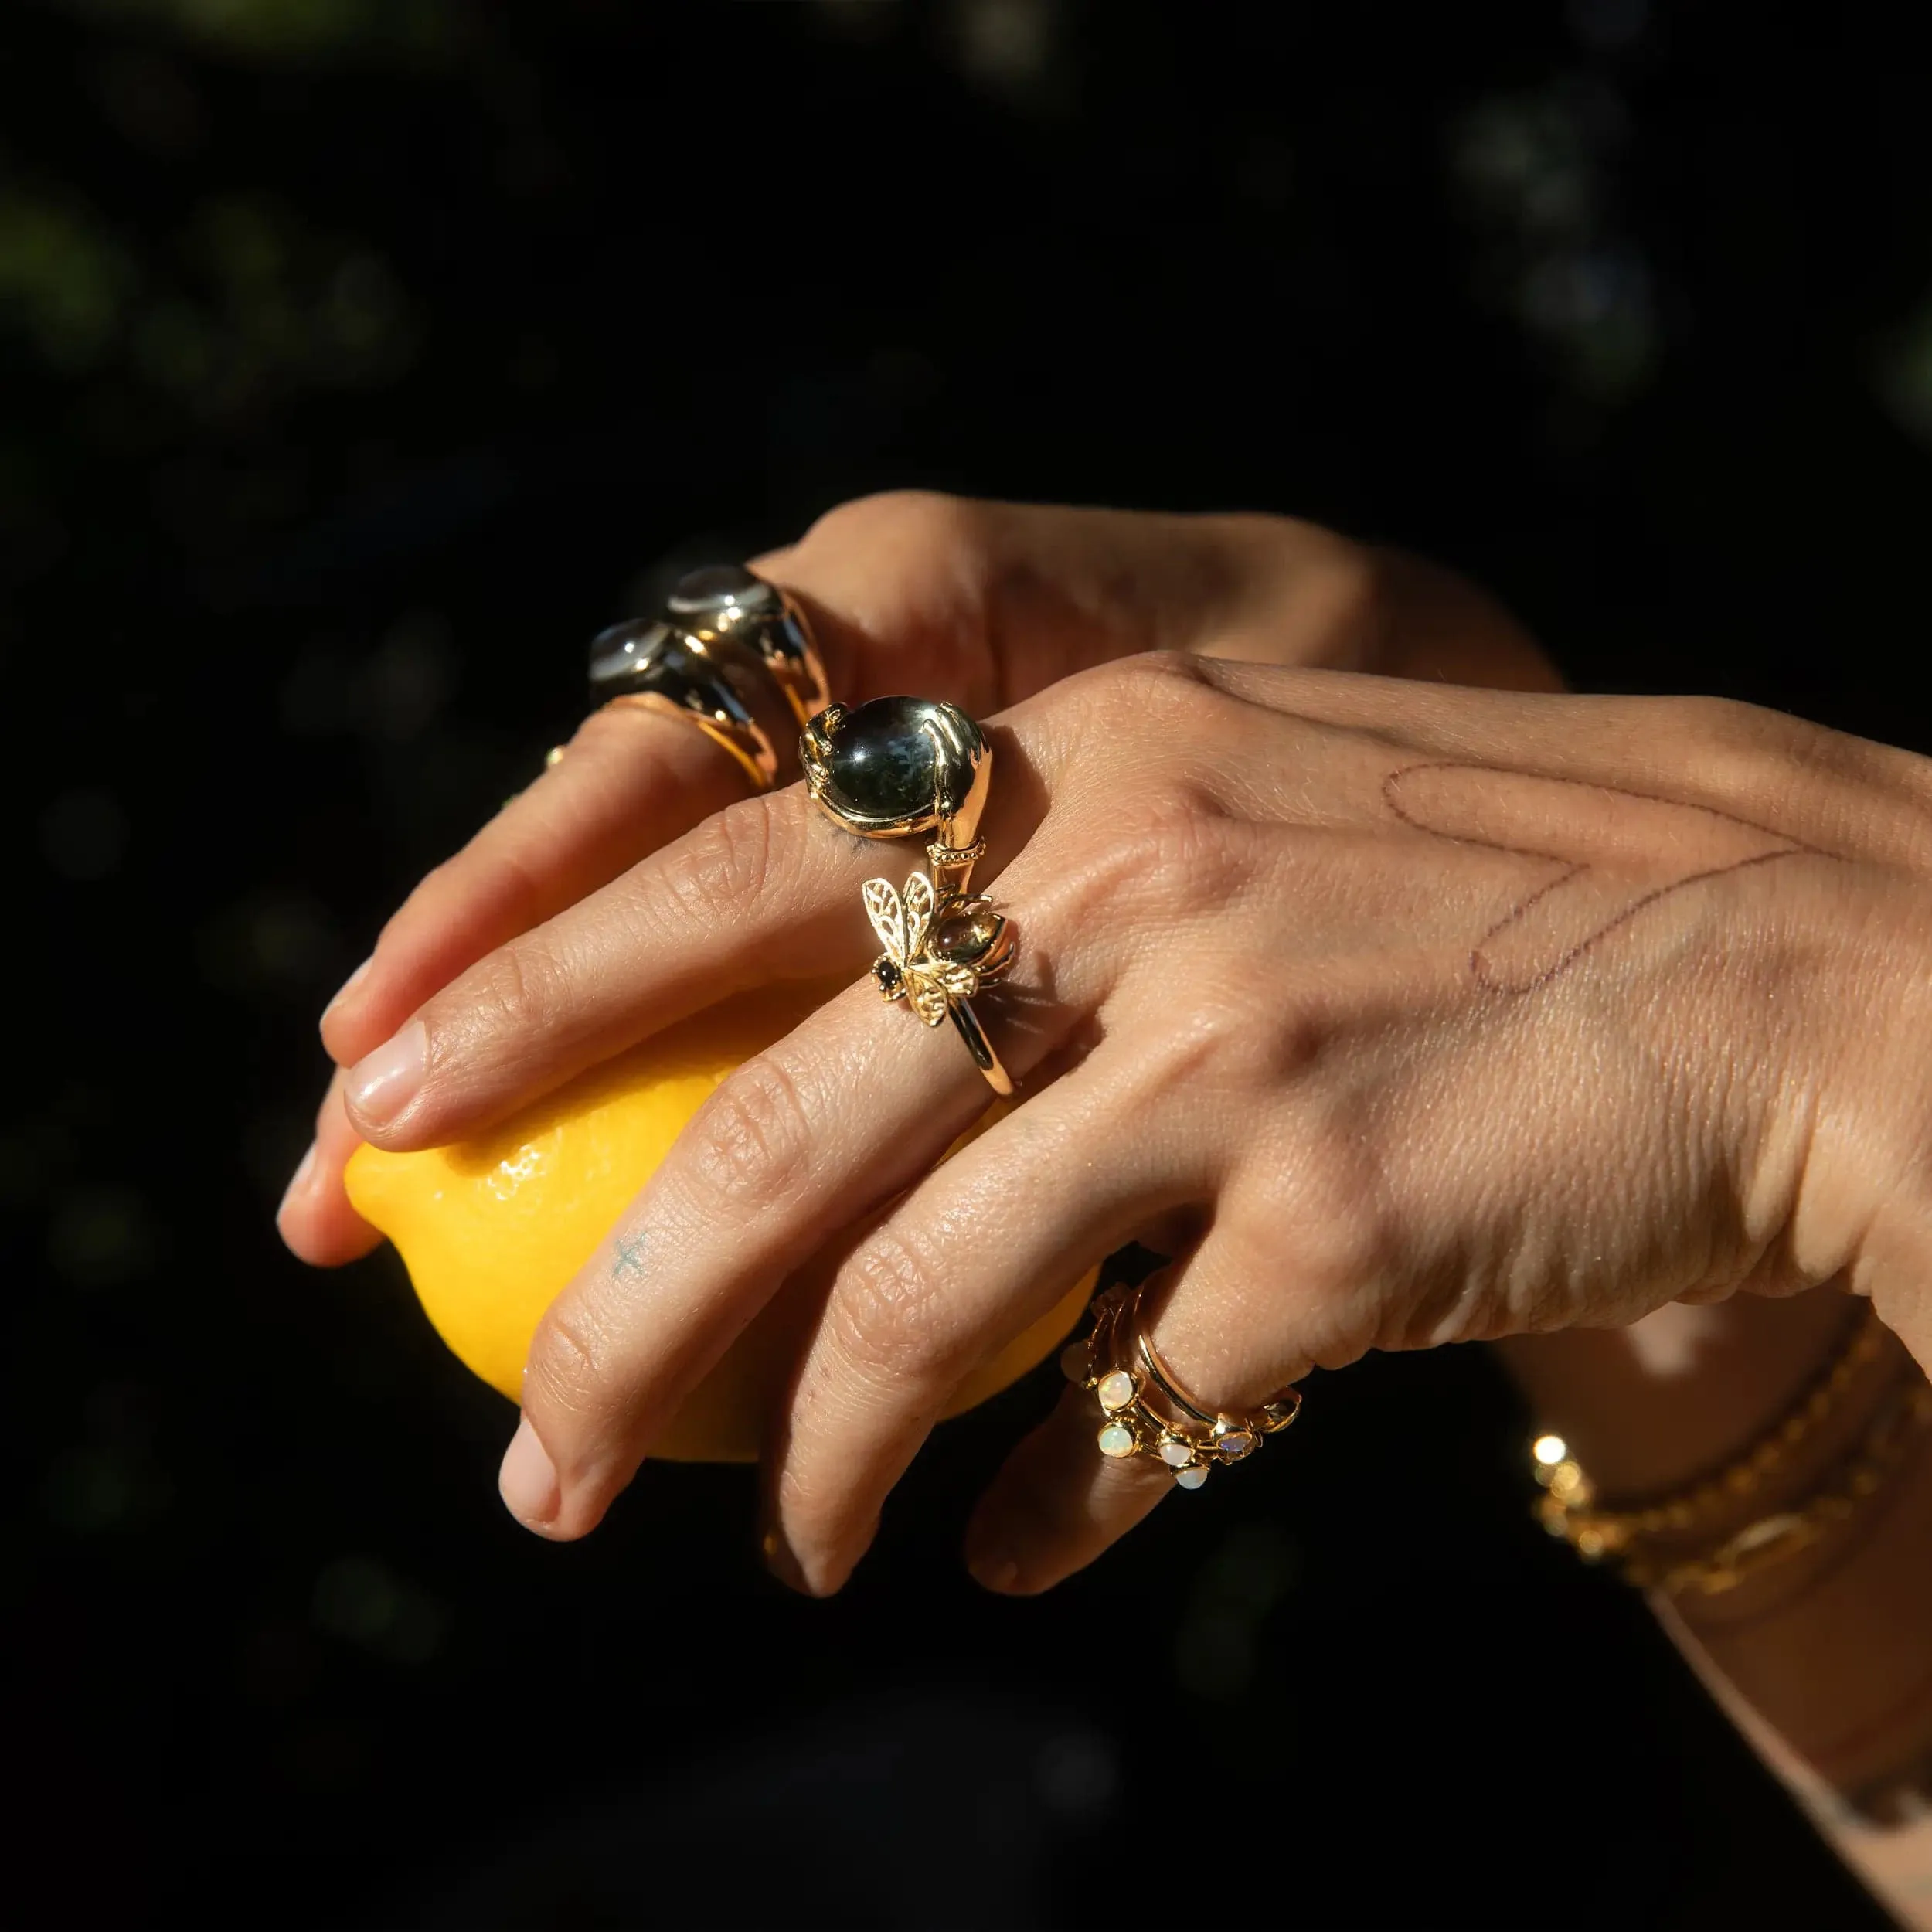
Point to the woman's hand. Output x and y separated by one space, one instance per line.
1414 1015
981 603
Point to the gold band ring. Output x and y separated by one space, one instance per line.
1145 1412
729 653
891 769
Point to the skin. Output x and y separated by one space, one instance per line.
1823 1660
1403 1014
981 603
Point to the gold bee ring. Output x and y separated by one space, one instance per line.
890 769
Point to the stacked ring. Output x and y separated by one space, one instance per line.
1145 1411
890 769
730 653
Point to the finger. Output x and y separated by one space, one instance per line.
978 603
1059 1502
798 1144
315 1218
767 890
978 1251
764 890
631 781
985 602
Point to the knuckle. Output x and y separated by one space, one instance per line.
1747 742
923 522
1210 1051
1349 594
1338 596
1190 853
516 992
429 902
722 866
1173 852
1159 687
1728 722
751 1142
518 878
1763 763
1321 1222
882 1316
569 1358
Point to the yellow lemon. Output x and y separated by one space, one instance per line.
491 1229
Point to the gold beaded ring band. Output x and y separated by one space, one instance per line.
890 769
730 653
1147 1413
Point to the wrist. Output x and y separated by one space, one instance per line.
1831 1645
1652 1407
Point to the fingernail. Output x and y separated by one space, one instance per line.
527 1482
349 985
298 1184
993 1570
382 1085
780 1562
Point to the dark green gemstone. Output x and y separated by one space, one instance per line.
883 764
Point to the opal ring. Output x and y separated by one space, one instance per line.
891 769
729 653
1144 1411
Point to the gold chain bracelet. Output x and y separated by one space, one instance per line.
1860 1477
1566 1509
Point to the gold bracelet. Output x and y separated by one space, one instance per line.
1905 1411
1566 1509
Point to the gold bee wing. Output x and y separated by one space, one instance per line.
887 918
927 996
932 984
962 982
919 913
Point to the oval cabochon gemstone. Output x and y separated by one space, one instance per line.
965 935
624 648
720 587
884 763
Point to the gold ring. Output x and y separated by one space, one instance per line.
730 653
890 769
1145 1412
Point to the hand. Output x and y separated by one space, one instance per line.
982 603
1421 1014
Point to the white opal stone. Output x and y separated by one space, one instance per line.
1116 1440
1192 1477
1115 1390
1235 1444
1175 1453
1074 1362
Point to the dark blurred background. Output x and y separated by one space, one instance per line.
361 359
